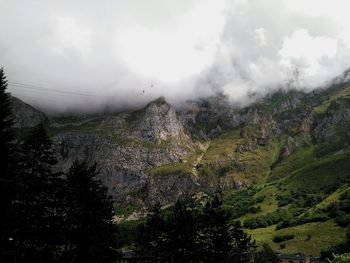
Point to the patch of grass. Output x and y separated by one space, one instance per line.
326 174
222 147
124 211
173 168
338 91
268 205
301 157
221 159
324 234
334 197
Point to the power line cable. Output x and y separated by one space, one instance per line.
39 99
41 88
39 94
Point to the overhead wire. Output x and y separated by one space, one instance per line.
46 89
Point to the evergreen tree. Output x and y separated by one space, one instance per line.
39 201
213 237
7 174
89 229
182 231
186 233
152 237
266 255
241 244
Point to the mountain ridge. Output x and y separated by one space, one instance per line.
288 146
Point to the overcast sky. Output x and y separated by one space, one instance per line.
128 52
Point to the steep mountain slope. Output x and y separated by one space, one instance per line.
129 146
281 162
25 115
300 195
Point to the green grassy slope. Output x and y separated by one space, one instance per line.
309 238
299 178
303 194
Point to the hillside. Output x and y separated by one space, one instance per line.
283 162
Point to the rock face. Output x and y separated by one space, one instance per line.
336 116
160 122
160 153
127 146
25 115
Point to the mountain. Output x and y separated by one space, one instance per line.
25 115
282 163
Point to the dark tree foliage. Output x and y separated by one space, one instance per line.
214 236
182 226
47 216
191 233
266 255
39 204
337 249
7 168
89 231
152 236
241 244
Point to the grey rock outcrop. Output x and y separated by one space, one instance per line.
26 115
336 115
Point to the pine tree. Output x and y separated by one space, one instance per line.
7 168
152 236
241 244
39 202
266 255
90 233
214 237
182 231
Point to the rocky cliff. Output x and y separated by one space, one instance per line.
25 115
162 153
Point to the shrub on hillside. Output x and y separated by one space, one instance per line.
240 202
344 258
342 219
337 249
317 216
255 209
282 246
260 199
265 220
279 239
284 200
286 223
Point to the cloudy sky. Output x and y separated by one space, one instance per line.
61 54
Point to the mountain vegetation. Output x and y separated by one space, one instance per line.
280 166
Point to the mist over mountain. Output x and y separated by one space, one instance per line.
281 163
126 54
175 131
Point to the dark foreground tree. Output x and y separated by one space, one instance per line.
39 203
189 233
338 249
214 236
7 172
182 226
266 255
89 229
241 244
152 236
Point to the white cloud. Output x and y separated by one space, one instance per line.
306 52
260 36
180 49
172 55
